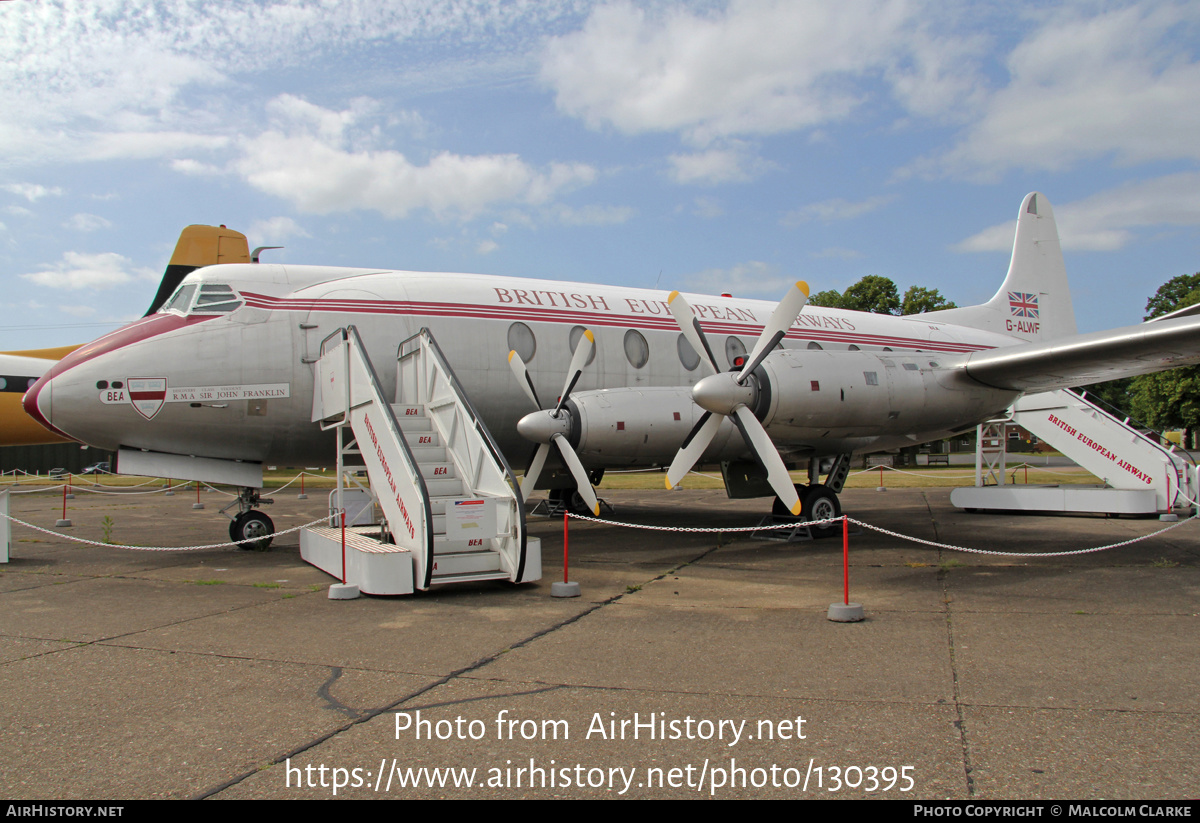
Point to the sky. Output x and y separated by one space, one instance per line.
704 146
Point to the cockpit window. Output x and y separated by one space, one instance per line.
180 300
215 298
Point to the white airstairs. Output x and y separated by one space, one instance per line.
452 509
1140 475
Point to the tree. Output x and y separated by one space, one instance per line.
1170 399
1177 293
873 293
829 299
920 299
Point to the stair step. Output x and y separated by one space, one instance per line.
425 437
460 563
437 471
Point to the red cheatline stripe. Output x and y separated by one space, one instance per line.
592 318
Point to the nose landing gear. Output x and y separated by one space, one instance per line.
250 527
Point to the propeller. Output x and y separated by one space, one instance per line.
548 426
729 394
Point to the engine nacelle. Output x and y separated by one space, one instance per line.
812 402
614 427
819 395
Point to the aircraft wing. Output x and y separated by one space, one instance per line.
1083 359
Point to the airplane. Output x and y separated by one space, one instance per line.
197 246
219 380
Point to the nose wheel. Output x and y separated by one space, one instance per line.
250 529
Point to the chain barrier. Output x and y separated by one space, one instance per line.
273 535
881 530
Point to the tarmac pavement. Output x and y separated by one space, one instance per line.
229 674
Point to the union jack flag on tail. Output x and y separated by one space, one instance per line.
1023 304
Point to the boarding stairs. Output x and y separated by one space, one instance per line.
451 506
1140 475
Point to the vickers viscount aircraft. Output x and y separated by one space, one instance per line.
219 380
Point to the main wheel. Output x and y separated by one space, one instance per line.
820 503
780 510
250 529
572 500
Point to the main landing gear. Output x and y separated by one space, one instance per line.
819 501
250 527
571 499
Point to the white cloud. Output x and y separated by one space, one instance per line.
836 209
708 207
154 77
322 161
87 222
751 278
274 231
89 271
1123 83
487 247
18 211
592 215
1110 219
78 311
729 164
194 168
31 191
752 68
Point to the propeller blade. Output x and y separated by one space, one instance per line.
759 441
583 483
782 318
518 368
697 441
535 468
582 352
690 326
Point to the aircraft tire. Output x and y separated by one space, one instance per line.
820 503
248 530
780 510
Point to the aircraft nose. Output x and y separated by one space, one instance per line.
38 402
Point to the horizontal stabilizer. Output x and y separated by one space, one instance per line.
1089 358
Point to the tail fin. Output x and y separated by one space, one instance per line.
1034 302
200 246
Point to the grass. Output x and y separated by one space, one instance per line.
207 582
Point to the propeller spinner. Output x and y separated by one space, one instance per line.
729 394
548 426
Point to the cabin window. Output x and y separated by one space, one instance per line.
853 347
637 350
575 337
521 340
687 355
871 377
216 298
734 348
814 345
911 366
181 299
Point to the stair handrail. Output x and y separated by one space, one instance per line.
1133 425
424 339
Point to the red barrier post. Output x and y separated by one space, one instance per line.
343 546
845 560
